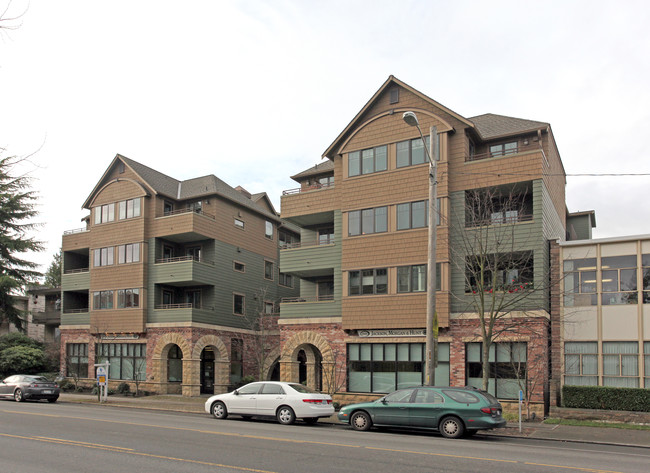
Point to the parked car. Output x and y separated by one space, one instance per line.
454 412
23 387
284 401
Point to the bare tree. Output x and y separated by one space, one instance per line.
333 371
496 256
264 323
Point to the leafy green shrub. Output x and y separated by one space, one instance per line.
607 398
124 388
22 359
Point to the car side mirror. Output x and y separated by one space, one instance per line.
235 392
383 401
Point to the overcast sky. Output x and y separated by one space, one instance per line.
255 91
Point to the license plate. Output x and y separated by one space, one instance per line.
47 391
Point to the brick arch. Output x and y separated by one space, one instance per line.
221 362
274 355
310 342
159 358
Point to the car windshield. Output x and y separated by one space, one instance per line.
301 388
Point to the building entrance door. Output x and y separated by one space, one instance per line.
207 371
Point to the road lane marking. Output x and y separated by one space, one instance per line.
279 439
128 451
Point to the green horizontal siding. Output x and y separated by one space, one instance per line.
186 273
75 281
82 318
292 310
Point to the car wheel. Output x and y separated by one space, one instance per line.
311 420
286 415
18 395
219 410
52 399
360 421
451 427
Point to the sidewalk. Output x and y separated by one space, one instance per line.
564 433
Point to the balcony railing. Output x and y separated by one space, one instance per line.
76 230
75 311
187 305
313 187
76 271
503 220
534 146
177 259
307 244
294 300
185 211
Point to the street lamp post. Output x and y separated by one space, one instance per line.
431 346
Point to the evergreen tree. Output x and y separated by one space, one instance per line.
53 273
17 207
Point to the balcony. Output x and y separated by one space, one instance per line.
49 317
504 153
80 316
183 271
185 225
313 187
310 259
301 307
76 279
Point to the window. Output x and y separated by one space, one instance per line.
240 267
238 304
412 215
175 364
268 270
412 152
621 364
193 298
103 257
129 208
646 363
288 240
619 280
286 280
499 205
385 367
363 222
368 281
581 363
269 307
325 288
103 300
77 360
193 252
128 298
503 149
268 388
414 278
580 282
127 360
326 181
129 253
507 365
394 95
511 272
645 263
239 223
326 236
367 161
168 207
268 230
105 213
196 206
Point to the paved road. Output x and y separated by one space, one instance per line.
53 438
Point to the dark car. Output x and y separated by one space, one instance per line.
453 412
22 387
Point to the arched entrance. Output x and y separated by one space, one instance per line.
304 358
207 370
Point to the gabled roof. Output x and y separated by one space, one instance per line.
326 166
262 198
491 126
164 185
392 80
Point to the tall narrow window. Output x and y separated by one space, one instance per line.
238 304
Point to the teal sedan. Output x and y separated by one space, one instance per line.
454 412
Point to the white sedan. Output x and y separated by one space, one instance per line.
284 401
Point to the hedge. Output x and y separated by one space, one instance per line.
608 398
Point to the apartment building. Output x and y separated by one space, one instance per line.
43 313
603 334
174 283
358 324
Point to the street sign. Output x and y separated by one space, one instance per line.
101 376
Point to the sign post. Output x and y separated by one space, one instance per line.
521 399
102 381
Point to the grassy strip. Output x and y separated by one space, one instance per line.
593 423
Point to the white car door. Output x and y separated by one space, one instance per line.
270 398
244 400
